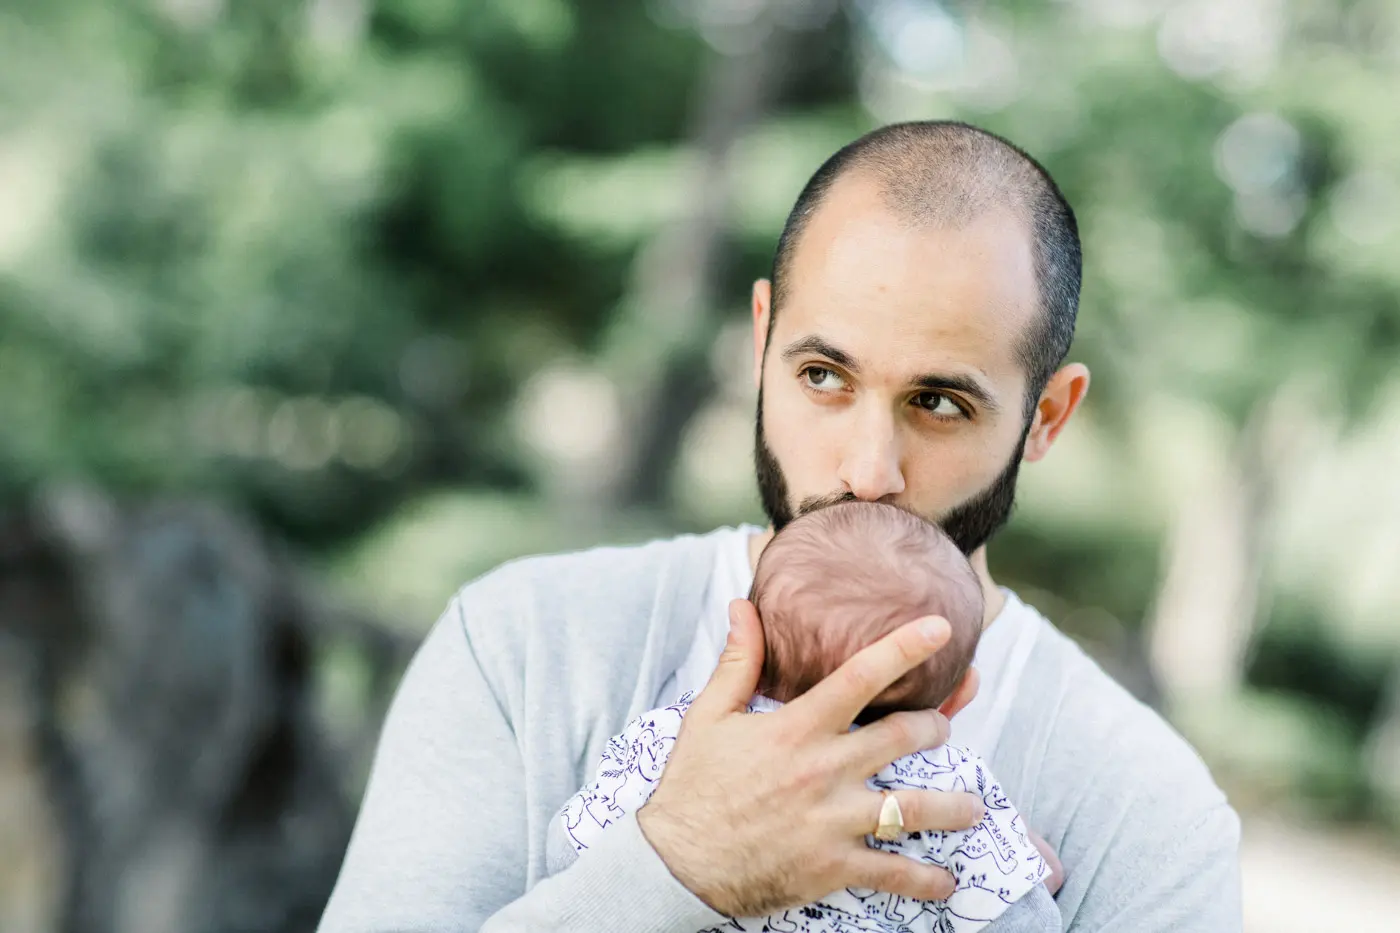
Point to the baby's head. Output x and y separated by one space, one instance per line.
840 578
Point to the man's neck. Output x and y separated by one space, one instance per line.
756 545
993 600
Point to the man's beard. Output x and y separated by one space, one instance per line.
970 524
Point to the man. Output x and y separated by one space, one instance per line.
909 348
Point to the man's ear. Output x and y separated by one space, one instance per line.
762 313
962 694
1062 395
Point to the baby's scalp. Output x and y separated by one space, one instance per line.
841 577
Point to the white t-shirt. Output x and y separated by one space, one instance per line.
730 579
1001 653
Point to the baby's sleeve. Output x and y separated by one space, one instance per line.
994 864
627 773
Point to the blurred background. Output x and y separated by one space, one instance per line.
312 310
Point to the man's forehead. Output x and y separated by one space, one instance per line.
861 273
856 239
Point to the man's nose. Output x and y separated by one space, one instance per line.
871 469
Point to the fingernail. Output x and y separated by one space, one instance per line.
932 627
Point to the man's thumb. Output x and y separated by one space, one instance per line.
736 677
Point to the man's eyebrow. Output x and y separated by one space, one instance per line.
966 385
815 344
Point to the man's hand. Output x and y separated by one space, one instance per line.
757 813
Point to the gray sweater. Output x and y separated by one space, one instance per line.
533 667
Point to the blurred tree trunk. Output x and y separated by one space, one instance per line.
171 708
660 348
1382 749
1211 596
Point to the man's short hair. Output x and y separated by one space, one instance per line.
945 173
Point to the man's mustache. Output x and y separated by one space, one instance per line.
812 503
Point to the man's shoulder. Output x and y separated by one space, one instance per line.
614 605
624 575
582 565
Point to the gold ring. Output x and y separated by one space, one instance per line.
891 824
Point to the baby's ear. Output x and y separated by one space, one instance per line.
962 694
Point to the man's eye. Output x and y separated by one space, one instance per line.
936 403
819 377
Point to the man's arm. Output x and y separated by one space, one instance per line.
1034 913
440 843
1163 877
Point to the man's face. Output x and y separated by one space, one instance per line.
891 371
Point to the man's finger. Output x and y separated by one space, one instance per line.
922 810
925 810
898 874
836 701
874 746
735 679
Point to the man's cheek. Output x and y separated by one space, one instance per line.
786 427
811 471
943 473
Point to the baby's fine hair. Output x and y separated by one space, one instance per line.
840 577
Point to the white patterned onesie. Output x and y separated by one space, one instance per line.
997 869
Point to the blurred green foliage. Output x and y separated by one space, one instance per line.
233 210
303 256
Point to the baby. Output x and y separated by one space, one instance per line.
832 582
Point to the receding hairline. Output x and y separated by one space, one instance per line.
930 175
